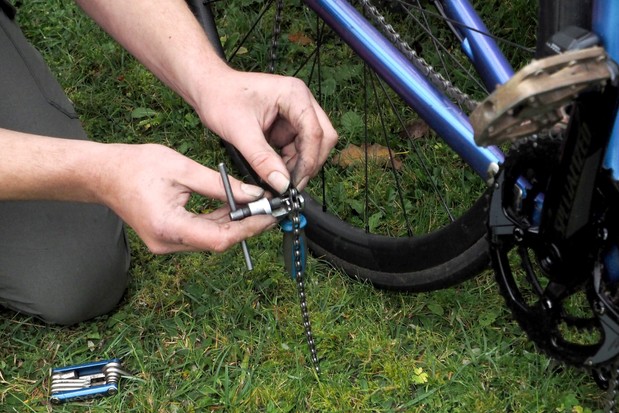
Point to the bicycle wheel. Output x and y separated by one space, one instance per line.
394 206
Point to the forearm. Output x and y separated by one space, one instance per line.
38 167
166 38
147 186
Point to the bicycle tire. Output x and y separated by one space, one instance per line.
443 257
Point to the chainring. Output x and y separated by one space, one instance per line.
561 313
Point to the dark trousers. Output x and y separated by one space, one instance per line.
62 262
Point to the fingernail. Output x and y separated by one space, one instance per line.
252 190
278 181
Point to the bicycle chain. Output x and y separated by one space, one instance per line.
277 25
294 214
419 62
295 217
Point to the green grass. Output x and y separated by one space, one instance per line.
201 334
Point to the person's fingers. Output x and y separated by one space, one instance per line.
284 109
314 137
206 232
208 182
215 233
329 134
263 159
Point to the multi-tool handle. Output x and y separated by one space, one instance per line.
86 381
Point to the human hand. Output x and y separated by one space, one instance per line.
255 112
258 112
148 186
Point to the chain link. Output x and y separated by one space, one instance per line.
295 214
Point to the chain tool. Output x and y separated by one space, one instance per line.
287 208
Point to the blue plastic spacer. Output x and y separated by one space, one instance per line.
288 229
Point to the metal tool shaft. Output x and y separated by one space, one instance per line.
228 189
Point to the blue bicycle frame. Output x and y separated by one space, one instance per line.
437 110
605 15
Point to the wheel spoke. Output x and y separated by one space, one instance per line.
413 201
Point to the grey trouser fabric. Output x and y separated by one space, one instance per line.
62 262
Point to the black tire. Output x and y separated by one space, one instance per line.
447 253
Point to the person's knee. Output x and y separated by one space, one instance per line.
73 303
62 262
73 288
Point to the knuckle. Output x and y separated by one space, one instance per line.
310 164
221 242
259 158
331 138
297 84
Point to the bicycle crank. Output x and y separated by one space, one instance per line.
553 229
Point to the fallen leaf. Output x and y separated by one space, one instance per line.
354 155
350 155
300 39
416 129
